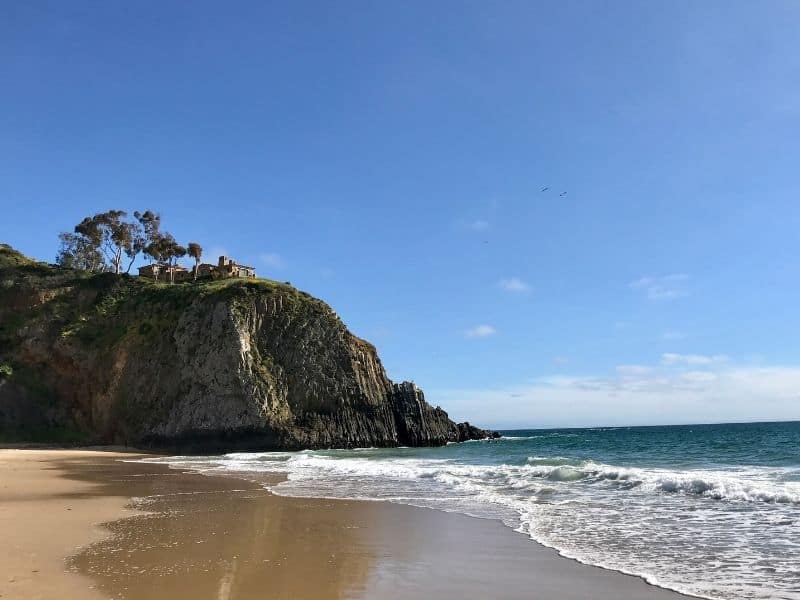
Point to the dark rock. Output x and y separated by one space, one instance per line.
470 432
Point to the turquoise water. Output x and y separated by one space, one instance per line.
710 510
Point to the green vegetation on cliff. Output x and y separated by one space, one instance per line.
225 363
102 308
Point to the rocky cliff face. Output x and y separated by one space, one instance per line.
209 366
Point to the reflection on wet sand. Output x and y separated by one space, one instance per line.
221 538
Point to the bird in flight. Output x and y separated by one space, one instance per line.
544 189
563 194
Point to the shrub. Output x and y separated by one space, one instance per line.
5 371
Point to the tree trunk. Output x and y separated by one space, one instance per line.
130 264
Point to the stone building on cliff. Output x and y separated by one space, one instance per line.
165 272
225 268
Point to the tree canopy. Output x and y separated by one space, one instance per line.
195 250
104 241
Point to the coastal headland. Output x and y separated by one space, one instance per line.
212 365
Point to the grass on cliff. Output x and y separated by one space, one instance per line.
100 310
134 306
180 295
13 261
11 258
116 289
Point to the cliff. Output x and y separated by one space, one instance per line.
219 365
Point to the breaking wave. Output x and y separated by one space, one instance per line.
717 485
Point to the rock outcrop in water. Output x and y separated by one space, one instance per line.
208 366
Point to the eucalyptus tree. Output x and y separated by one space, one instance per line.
109 236
77 252
196 252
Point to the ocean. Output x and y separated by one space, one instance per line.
708 510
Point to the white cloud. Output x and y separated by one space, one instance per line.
479 225
666 287
480 331
631 370
671 358
272 259
698 376
743 393
514 284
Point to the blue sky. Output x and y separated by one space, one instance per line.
389 157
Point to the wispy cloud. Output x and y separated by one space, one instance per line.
272 259
633 370
671 334
666 287
479 225
514 284
671 358
698 376
634 395
480 331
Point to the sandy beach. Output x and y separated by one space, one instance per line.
84 524
45 516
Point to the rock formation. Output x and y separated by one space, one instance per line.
209 366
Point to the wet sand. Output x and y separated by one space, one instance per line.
222 538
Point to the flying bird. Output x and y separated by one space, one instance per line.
544 189
563 194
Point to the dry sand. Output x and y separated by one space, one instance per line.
44 517
221 538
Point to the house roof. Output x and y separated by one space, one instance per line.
235 265
160 266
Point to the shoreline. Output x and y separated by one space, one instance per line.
145 530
